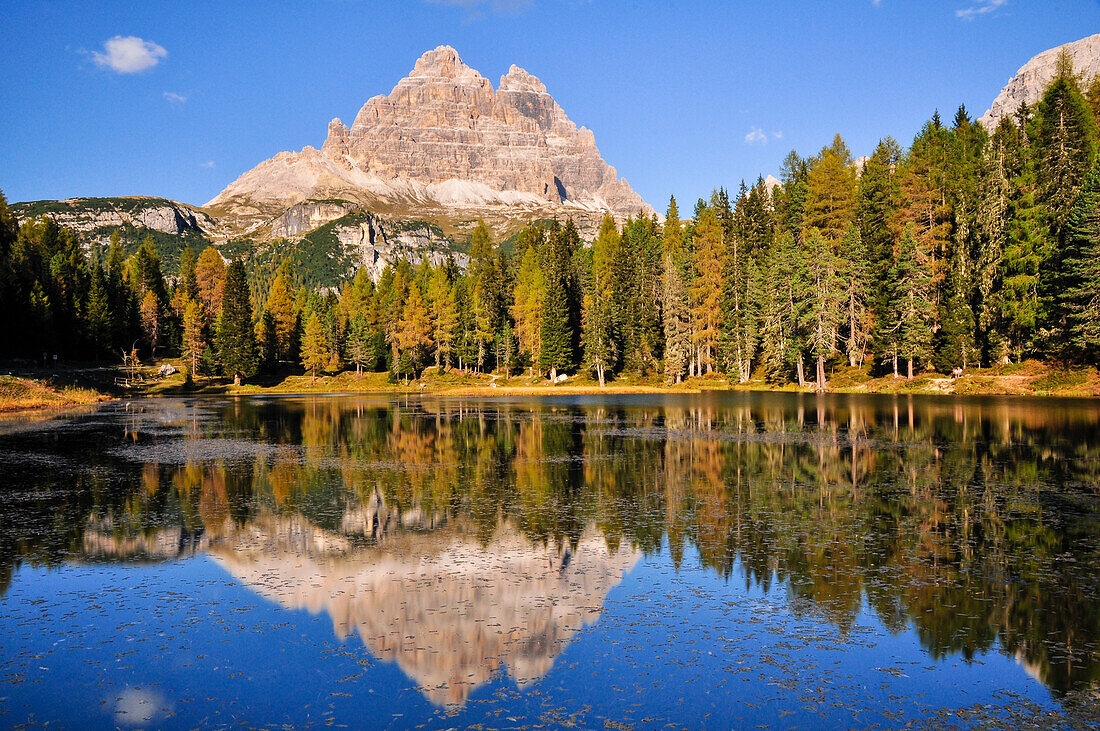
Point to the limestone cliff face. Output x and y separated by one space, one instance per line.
1027 86
95 215
445 144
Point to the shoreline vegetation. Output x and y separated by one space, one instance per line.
19 395
36 391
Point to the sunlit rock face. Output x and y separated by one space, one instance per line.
444 143
1029 83
447 609
96 217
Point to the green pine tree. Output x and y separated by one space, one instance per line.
236 335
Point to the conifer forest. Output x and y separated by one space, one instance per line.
964 249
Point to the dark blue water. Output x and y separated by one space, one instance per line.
708 561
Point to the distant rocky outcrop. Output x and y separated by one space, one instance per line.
362 240
91 215
1027 86
443 146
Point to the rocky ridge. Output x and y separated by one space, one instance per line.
94 215
358 239
1027 86
445 146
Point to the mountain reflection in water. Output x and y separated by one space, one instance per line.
456 537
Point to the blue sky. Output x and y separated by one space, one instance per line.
682 97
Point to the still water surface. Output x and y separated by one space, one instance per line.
647 561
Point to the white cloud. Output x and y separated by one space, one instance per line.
756 136
129 55
207 164
982 7
174 98
777 135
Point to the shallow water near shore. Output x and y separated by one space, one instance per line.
710 560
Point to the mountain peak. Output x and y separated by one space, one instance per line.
442 62
518 79
444 146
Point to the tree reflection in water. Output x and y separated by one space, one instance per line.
457 536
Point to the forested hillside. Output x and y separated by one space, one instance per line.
966 249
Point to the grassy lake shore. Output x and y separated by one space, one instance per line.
27 390
27 394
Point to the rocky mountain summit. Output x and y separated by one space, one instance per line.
444 146
1027 86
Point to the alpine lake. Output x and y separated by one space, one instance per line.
723 560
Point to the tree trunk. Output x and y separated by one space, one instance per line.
553 374
801 372
599 371
852 327
237 378
820 372
909 362
895 364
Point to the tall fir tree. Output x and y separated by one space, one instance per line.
913 292
236 336
1080 299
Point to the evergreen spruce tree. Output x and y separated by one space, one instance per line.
676 313
97 312
876 210
187 285
1065 143
150 321
599 336
555 336
739 318
236 336
506 348
267 342
1065 139
824 307
994 195
855 270
360 343
912 301
444 314
557 333
676 316
1081 298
